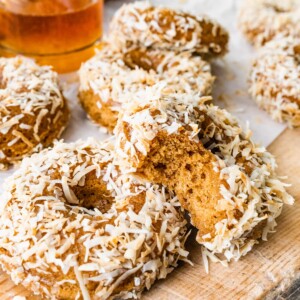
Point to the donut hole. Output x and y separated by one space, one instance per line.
93 193
185 167
146 60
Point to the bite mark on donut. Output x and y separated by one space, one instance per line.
186 167
227 183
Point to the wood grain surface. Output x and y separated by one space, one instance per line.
271 270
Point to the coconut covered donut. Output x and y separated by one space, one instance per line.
141 24
110 78
73 227
33 111
226 182
262 20
275 80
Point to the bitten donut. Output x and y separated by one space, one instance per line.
33 111
73 227
141 24
262 20
109 79
226 182
275 80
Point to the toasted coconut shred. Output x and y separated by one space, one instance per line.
27 91
109 75
252 186
275 79
50 242
56 243
262 20
141 24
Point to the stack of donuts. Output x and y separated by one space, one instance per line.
273 27
104 220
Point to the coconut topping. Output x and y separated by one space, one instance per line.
262 20
275 79
248 170
114 77
27 92
141 24
49 240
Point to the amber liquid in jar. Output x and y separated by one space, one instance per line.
62 33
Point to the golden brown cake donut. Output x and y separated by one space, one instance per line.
33 111
227 183
140 24
262 20
110 78
74 227
275 80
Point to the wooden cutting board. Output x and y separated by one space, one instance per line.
271 270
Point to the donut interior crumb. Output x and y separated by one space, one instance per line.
185 166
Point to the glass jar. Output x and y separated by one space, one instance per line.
62 33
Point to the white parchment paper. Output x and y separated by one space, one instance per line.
230 89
